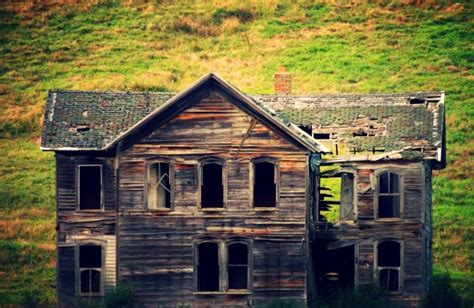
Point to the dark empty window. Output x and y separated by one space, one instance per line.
388 195
90 187
388 263
264 188
90 268
237 266
212 189
159 186
208 267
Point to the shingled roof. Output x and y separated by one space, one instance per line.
78 120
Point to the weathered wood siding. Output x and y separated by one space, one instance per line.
74 225
365 231
156 248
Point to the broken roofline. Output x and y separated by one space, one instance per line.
292 130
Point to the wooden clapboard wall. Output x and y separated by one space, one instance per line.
412 230
156 248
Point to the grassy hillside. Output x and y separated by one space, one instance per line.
329 46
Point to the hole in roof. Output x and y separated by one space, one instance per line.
322 136
417 100
83 128
359 133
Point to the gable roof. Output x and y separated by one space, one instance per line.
96 121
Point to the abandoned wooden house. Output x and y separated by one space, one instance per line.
213 196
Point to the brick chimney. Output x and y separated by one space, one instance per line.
282 81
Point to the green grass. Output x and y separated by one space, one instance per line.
328 46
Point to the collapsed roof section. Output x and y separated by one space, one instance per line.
353 127
370 126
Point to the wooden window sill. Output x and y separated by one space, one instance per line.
233 292
213 209
265 209
160 210
389 219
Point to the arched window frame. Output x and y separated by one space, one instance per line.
171 171
202 163
223 249
276 163
102 270
377 194
400 269
248 243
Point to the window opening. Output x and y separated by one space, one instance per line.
159 186
90 187
388 195
417 100
237 266
264 189
208 267
388 262
90 268
359 133
212 189
336 197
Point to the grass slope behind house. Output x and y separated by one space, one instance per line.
329 47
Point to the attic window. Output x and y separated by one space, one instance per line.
388 265
212 185
90 187
264 183
90 269
416 100
159 186
322 136
307 129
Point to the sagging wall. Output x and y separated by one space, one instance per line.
366 230
157 248
76 227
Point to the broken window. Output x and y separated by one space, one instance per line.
264 186
212 186
159 186
388 265
90 269
90 187
336 197
208 267
237 266
388 195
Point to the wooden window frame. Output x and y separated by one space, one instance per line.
202 163
276 163
78 188
223 248
377 194
78 270
171 175
378 268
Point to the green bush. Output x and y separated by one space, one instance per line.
442 294
122 296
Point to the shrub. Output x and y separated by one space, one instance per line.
122 296
442 293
